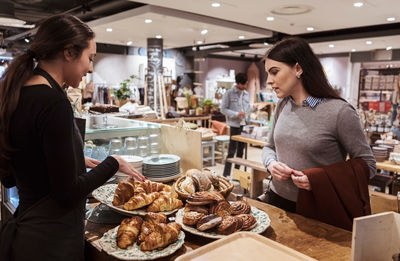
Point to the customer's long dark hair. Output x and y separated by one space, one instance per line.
296 50
56 34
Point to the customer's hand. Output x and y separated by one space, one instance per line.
91 163
301 180
241 115
127 168
279 171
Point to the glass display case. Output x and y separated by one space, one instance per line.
105 135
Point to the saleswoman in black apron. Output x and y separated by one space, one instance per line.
41 150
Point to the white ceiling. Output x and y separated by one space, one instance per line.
178 29
180 22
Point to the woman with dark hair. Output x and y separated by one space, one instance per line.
41 150
313 126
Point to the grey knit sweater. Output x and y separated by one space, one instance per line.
305 137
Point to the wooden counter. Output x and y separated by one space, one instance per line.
310 237
388 166
248 140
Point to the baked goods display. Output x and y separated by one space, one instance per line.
151 233
104 108
157 197
208 211
196 180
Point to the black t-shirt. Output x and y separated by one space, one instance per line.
47 157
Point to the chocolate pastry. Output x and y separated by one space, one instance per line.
191 218
208 222
204 198
221 208
240 207
201 181
200 209
249 221
229 225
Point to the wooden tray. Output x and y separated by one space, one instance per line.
244 246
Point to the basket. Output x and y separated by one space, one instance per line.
223 182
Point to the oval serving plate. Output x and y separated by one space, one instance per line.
262 218
105 194
109 244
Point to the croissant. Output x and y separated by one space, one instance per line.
148 187
165 203
140 200
163 235
148 225
128 231
123 192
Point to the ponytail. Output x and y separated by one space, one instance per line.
19 71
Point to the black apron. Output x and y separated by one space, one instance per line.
46 230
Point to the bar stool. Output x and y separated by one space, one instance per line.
211 145
223 140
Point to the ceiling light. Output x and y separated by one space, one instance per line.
199 42
390 19
109 29
310 29
331 45
215 4
389 48
158 36
358 4
270 18
241 37
353 50
368 42
129 43
205 31
27 40
147 21
265 43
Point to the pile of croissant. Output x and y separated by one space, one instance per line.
208 210
197 180
151 233
132 194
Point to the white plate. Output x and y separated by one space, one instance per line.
109 244
105 194
262 218
161 159
165 179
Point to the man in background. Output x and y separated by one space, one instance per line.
236 106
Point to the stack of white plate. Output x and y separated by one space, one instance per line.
380 153
162 167
135 161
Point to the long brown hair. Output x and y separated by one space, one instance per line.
296 50
54 35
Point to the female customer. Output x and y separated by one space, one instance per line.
313 126
41 149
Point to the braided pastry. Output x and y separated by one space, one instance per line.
240 207
208 222
229 225
191 218
221 208
249 221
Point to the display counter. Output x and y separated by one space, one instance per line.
310 237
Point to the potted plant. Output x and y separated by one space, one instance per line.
207 104
124 92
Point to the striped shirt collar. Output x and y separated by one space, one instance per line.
311 101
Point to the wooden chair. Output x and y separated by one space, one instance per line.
382 202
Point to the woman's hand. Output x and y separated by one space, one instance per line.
301 180
127 168
279 171
91 163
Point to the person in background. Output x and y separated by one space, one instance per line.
236 106
41 150
313 126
